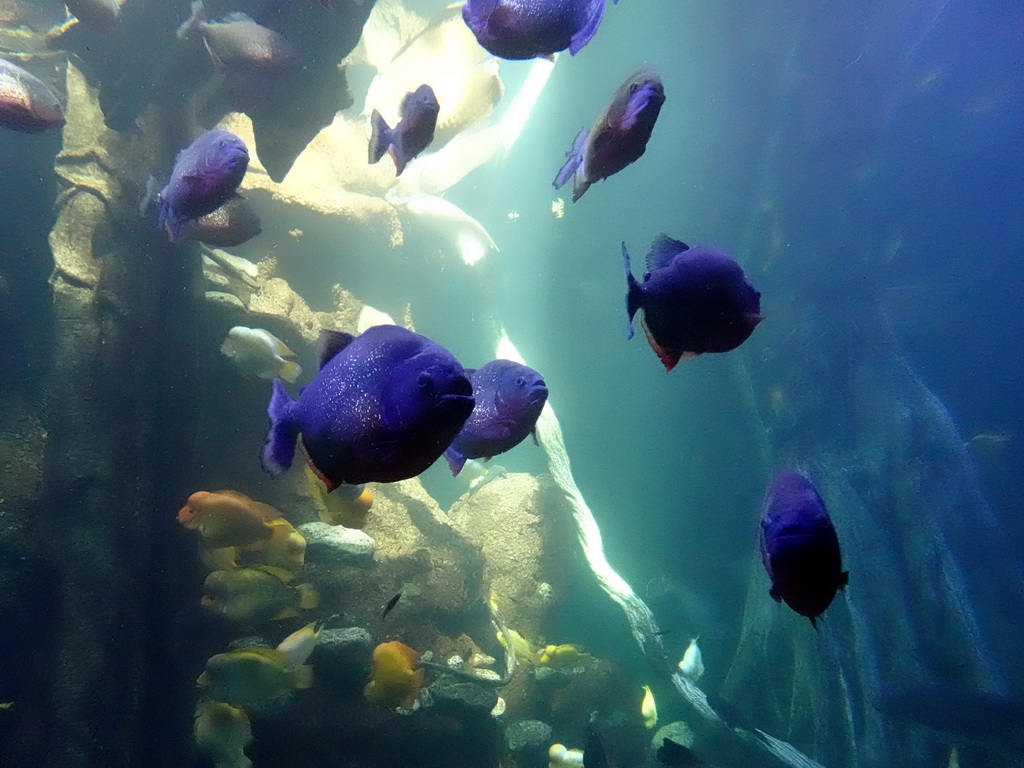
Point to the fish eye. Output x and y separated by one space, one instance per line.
425 383
520 381
634 87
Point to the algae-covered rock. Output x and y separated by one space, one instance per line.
342 659
528 741
334 544
462 697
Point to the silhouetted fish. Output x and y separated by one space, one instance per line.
27 104
234 223
238 44
102 15
673 753
413 133
618 138
526 29
799 546
390 606
694 300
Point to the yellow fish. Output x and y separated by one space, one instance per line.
648 709
222 733
521 647
254 595
286 548
251 675
395 679
347 505
566 656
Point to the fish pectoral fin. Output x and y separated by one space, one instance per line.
774 594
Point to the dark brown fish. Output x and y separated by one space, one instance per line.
101 15
232 224
27 104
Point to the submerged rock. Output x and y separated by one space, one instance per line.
528 741
461 697
336 544
342 659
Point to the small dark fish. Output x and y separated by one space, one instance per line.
205 176
594 755
238 44
527 29
390 606
618 138
509 398
27 105
662 632
673 753
727 712
413 133
383 407
695 300
101 15
234 223
799 546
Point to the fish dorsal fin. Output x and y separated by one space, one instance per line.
279 346
331 343
662 250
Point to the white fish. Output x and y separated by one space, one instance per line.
258 352
445 55
466 234
692 664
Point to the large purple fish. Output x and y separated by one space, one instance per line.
27 104
239 45
383 407
694 300
205 176
413 133
618 138
509 398
799 546
526 29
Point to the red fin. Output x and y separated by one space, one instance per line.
330 484
668 357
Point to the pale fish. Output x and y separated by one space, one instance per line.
692 664
648 709
466 234
258 352
464 77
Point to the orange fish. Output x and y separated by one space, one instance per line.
395 680
228 518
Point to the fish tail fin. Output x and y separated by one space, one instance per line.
279 448
380 136
634 293
456 461
289 371
198 15
308 596
579 186
574 159
582 37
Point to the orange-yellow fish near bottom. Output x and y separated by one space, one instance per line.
395 681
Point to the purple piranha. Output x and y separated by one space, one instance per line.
618 138
27 104
527 29
205 176
413 133
799 546
695 300
509 398
383 407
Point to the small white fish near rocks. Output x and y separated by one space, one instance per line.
258 352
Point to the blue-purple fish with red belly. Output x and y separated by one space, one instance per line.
27 105
413 133
205 176
618 138
799 546
509 398
527 29
694 300
383 407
